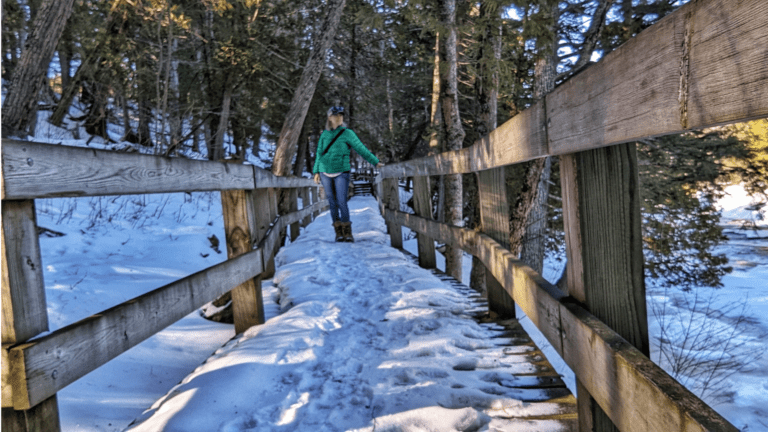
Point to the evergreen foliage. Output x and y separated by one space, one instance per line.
172 73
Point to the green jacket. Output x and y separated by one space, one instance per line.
337 158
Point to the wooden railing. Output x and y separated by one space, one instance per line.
702 66
34 368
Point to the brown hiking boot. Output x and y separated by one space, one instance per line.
346 230
338 227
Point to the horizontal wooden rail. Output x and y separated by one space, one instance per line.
38 369
44 366
273 235
35 170
636 394
701 66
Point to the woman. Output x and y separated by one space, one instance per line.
332 168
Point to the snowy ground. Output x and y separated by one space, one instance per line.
366 341
89 270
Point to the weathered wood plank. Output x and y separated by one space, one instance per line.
422 203
23 290
727 62
701 66
391 200
294 207
520 139
7 385
34 170
43 417
239 230
494 222
52 362
265 179
272 237
24 311
636 393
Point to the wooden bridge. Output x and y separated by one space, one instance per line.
704 65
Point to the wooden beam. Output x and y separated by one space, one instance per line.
520 139
265 179
239 229
42 417
50 363
701 66
494 221
391 200
635 392
23 290
422 202
24 313
606 246
294 203
34 170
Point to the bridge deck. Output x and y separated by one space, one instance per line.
366 340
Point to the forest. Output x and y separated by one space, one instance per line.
250 80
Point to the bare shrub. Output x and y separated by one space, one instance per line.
705 339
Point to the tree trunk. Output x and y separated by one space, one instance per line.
487 95
294 120
65 57
534 227
454 132
32 67
216 151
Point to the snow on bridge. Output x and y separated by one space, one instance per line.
361 338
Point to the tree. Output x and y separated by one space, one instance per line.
453 129
294 119
20 102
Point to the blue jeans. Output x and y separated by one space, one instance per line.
336 189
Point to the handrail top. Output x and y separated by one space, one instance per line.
33 170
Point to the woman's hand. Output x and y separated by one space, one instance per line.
380 165
317 178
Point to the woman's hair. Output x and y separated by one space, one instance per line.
334 121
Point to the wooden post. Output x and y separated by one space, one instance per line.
306 201
239 227
601 208
391 200
314 198
263 217
423 207
293 194
24 310
269 256
494 220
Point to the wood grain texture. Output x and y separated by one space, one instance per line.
7 385
23 290
494 222
52 362
569 185
611 241
422 203
391 200
637 395
239 229
34 170
295 229
635 392
265 179
42 418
